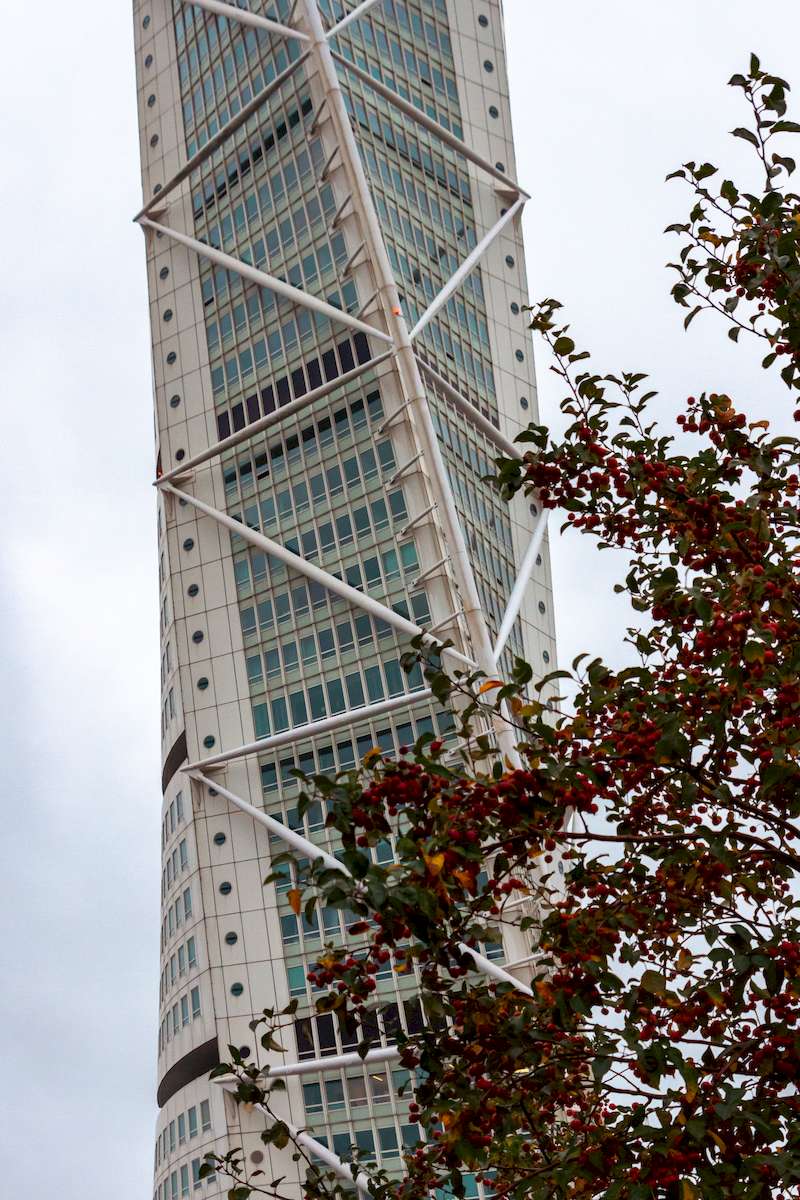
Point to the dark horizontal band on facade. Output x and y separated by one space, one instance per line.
197 1062
176 756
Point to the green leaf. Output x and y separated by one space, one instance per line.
653 981
563 345
747 135
786 127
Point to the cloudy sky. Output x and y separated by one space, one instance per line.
607 98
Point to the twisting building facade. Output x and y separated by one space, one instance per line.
336 273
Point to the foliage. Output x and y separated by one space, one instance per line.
658 1054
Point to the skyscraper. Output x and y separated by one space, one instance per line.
336 274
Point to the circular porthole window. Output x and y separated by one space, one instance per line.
163 273
523 403
494 111
509 260
538 560
192 590
483 20
145 22
231 938
151 100
202 683
168 314
501 167
257 1156
174 401
533 510
180 455
225 888
515 308
209 740
148 62
546 656
488 66
172 358
188 544
541 606
245 1051
154 140
197 637
237 989
520 357
156 189
220 839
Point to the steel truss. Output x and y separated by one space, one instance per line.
389 329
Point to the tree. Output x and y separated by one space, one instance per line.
658 1055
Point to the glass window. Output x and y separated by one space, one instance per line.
195 995
312 1097
205 1115
357 1091
334 1094
192 1115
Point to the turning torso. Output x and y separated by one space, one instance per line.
336 270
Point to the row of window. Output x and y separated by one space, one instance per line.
173 818
324 431
174 865
337 694
176 1184
183 960
225 86
261 620
299 328
324 1035
356 1091
348 752
310 653
176 915
184 1010
288 450
182 1129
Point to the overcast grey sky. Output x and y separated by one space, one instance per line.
607 99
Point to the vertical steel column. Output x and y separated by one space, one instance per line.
410 377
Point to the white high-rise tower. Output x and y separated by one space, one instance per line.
336 275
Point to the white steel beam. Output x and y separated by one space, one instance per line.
271 282
352 16
298 843
469 410
217 140
247 18
301 732
312 571
274 418
331 1160
469 264
308 850
522 581
413 389
422 118
336 1062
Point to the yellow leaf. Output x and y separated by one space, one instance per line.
295 898
371 756
689 1191
464 878
718 1142
759 424
435 863
490 685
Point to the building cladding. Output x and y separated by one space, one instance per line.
252 647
